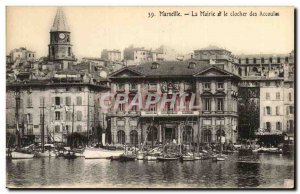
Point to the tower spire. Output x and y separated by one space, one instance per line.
60 22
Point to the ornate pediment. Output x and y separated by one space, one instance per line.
212 71
126 72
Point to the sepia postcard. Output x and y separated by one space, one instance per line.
150 97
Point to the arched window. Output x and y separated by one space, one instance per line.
206 136
187 135
152 134
121 137
218 134
134 137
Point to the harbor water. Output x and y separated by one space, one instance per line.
267 171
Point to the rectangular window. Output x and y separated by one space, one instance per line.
220 104
277 110
121 87
79 128
68 101
268 110
133 86
57 101
290 96
122 107
79 116
267 96
207 86
57 115
268 83
220 85
277 95
268 126
207 105
42 101
69 116
278 126
29 102
30 118
291 109
79 100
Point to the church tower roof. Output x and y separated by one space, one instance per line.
60 22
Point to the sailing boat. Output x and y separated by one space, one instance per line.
189 156
19 153
220 156
43 153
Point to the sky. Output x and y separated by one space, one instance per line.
97 28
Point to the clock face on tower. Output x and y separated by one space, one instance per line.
62 35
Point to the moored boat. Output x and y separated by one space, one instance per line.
140 155
125 158
45 154
150 158
100 153
70 155
218 157
20 155
167 158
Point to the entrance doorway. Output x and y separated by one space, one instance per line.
169 134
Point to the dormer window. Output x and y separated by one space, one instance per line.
192 65
154 65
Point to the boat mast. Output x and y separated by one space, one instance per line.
72 127
17 98
43 127
198 137
220 138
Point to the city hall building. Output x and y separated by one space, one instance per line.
215 93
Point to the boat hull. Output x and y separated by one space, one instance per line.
166 159
19 155
98 153
150 158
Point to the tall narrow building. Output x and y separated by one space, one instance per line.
60 47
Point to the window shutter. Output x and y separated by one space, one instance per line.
287 110
264 110
53 101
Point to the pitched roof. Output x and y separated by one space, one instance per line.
60 22
212 48
170 68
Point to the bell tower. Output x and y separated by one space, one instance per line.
60 47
